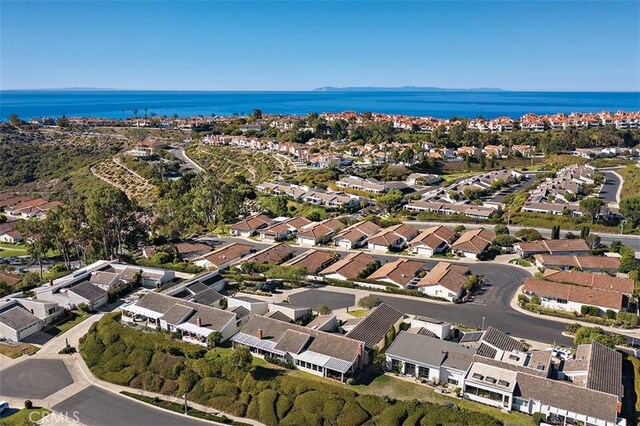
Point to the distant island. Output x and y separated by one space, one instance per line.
404 89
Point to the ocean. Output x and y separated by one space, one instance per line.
439 104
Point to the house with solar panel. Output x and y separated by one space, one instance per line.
492 368
324 354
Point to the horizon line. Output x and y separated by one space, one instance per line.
338 90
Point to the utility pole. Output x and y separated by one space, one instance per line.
482 329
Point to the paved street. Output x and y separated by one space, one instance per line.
34 378
97 407
314 298
471 314
501 281
187 162
610 188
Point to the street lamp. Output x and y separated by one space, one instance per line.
622 223
186 407
482 329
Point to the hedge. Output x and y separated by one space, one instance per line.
153 361
352 415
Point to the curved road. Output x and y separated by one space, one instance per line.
611 188
493 302
186 161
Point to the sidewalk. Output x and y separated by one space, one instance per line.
625 332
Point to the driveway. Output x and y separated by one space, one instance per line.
610 188
97 407
501 195
314 298
34 378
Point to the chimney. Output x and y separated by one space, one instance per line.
360 359
199 321
259 334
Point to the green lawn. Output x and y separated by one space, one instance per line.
25 417
386 385
520 262
17 350
76 318
631 185
359 313
10 250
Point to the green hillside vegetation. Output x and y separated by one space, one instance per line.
226 380
37 156
631 186
254 166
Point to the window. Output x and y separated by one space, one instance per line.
423 372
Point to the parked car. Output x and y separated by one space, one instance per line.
4 406
563 354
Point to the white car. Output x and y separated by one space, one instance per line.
561 353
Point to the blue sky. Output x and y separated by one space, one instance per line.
278 45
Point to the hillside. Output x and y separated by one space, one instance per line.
49 160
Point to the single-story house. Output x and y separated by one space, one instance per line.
253 305
473 243
87 293
272 255
348 268
328 323
356 235
291 311
320 233
557 247
313 261
224 256
401 272
105 280
250 226
193 320
16 323
316 352
429 358
586 279
373 328
570 297
446 281
9 278
433 240
394 237
284 230
585 263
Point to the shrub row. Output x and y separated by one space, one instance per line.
154 362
